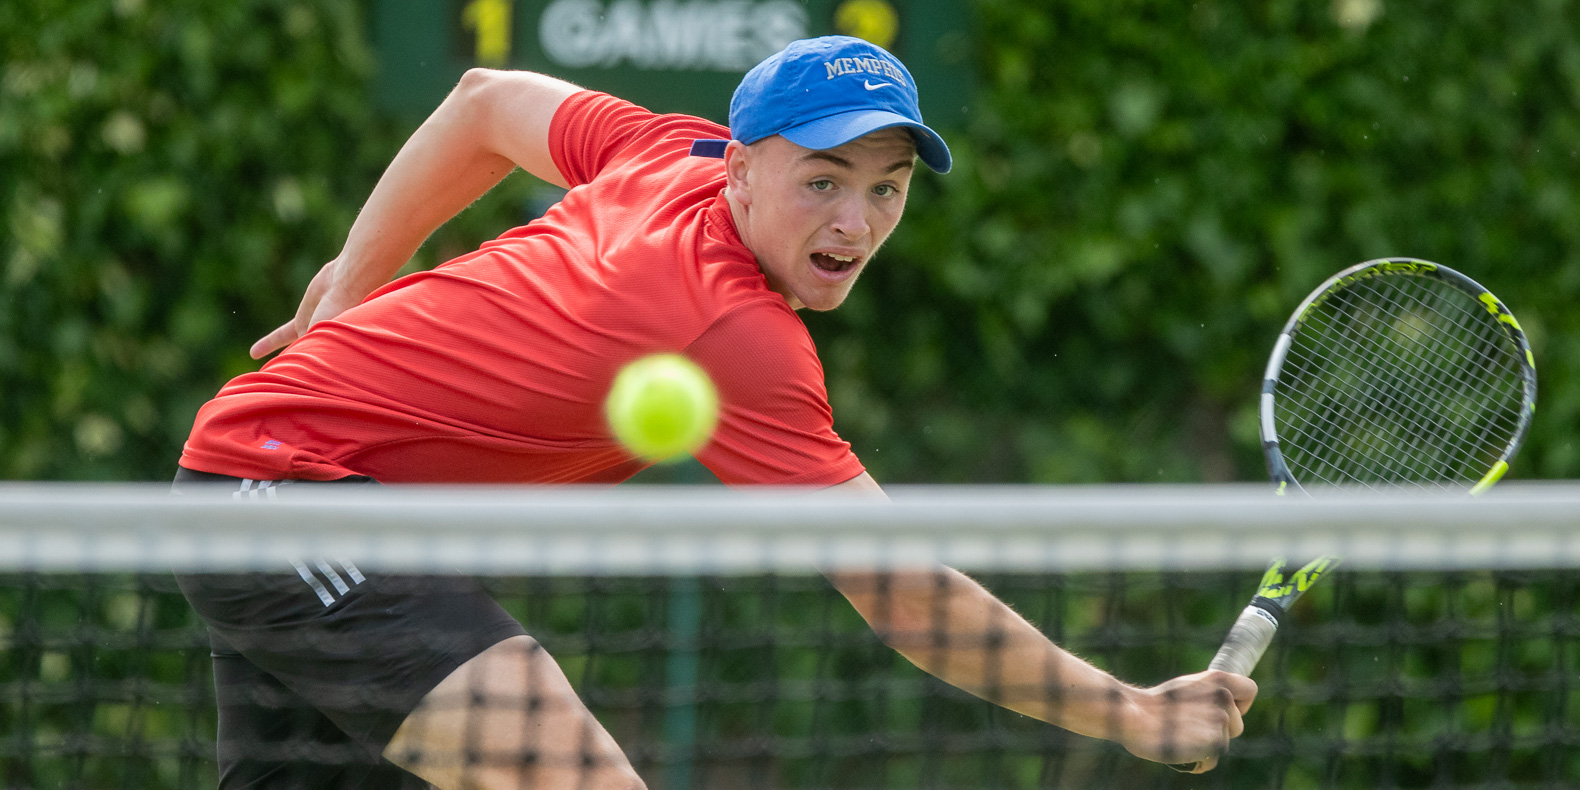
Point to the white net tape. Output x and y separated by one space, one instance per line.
721 531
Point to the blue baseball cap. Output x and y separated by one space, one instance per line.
821 93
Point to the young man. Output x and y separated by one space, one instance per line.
493 368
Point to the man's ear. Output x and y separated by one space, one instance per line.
737 164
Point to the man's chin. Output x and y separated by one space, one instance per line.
825 296
825 301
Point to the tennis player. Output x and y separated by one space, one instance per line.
676 235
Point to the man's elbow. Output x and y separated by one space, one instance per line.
481 88
902 608
478 83
514 85
476 77
469 96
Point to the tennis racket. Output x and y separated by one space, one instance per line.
1395 374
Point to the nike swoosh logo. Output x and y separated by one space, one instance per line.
869 86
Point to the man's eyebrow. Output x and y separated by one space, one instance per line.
845 163
827 157
902 164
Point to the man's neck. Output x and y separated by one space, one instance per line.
738 217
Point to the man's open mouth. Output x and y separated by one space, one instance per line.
833 263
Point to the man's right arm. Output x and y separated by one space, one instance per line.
491 123
950 626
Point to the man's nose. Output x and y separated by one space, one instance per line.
850 219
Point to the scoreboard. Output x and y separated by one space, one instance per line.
667 55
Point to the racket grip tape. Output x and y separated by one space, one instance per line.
1252 632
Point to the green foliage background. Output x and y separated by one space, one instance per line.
171 175
1143 192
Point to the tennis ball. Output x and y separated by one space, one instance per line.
662 406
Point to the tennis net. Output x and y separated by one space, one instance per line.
695 624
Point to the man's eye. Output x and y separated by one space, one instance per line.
822 185
885 190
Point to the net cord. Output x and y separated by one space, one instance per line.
504 531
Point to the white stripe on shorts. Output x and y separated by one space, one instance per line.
312 581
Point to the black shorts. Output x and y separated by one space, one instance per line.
316 666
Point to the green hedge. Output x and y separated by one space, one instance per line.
1144 191
171 175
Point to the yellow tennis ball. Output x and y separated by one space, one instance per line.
662 406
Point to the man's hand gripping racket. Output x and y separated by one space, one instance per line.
1395 374
1253 630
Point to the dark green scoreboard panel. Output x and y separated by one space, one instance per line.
668 55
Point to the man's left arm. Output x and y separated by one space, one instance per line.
953 628
489 124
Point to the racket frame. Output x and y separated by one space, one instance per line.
1279 471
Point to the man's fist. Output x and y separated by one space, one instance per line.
1189 719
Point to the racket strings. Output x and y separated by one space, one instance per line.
1413 460
1379 411
1408 429
1407 366
1370 402
1398 380
1432 462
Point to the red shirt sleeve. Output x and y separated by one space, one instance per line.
775 424
592 131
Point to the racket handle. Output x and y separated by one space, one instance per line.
1252 632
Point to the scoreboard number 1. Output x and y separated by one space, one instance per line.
489 22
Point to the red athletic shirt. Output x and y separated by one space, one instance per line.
493 367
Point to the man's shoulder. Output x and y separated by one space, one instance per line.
605 132
605 108
758 323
